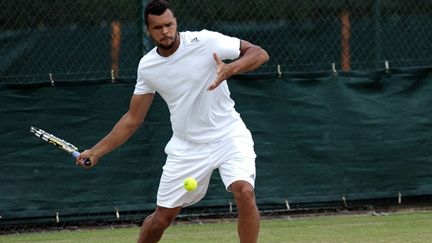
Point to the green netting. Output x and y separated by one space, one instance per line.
319 136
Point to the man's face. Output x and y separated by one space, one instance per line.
163 29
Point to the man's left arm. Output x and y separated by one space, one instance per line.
251 57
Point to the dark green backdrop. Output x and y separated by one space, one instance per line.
319 136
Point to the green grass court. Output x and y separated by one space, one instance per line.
393 227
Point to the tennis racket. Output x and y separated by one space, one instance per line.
60 143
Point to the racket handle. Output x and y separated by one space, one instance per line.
76 154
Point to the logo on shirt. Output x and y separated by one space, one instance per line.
195 39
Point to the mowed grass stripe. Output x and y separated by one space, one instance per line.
395 227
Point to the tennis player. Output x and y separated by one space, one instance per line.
187 70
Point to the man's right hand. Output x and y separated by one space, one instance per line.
87 154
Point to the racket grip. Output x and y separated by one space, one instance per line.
76 154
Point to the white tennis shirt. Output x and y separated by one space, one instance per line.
182 79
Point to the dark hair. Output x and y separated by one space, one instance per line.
156 7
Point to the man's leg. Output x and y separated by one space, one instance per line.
155 224
248 215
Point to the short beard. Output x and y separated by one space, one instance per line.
167 47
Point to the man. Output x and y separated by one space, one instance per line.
186 69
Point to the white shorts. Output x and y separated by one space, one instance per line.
233 155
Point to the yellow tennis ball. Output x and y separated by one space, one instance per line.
190 184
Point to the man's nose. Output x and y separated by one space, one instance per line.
164 30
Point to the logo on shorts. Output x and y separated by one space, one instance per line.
252 176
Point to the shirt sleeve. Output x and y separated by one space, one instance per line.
226 47
141 86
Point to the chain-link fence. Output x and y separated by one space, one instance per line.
69 40
100 39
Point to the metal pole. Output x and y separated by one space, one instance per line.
115 48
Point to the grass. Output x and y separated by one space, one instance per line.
396 227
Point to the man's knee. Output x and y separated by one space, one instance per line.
243 192
162 219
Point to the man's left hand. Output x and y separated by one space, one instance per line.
223 72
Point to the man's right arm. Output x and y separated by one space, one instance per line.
122 131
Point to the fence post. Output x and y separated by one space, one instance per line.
345 39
